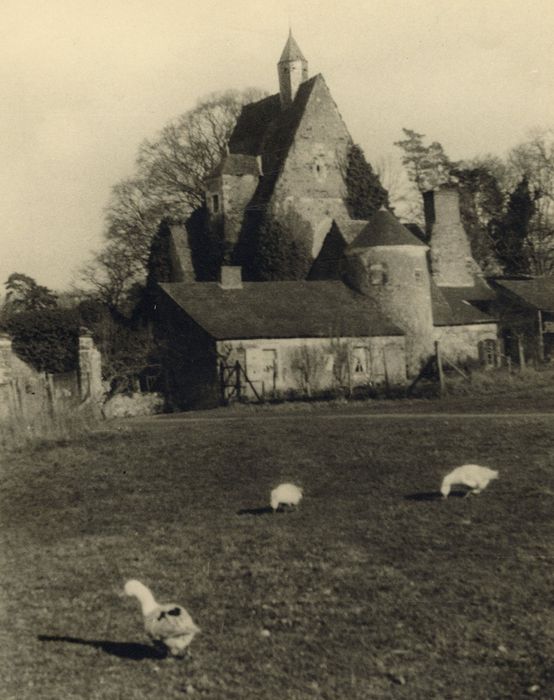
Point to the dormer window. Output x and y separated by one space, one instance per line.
215 203
377 274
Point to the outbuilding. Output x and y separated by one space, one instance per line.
266 339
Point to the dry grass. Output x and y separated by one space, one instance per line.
374 588
21 433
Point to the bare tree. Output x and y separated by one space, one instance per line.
168 184
404 196
308 362
533 161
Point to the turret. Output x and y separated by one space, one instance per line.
387 263
292 69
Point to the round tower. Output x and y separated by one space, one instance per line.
389 264
292 69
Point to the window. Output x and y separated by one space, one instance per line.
359 360
418 274
487 352
377 274
215 203
319 168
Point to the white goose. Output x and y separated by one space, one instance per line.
288 495
472 475
168 625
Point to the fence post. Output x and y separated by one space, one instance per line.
238 385
222 381
541 336
439 366
521 352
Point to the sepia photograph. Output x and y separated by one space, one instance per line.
276 350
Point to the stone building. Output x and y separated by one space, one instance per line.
268 339
287 158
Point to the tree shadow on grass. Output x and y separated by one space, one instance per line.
123 650
433 495
266 510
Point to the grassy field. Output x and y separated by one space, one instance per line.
374 588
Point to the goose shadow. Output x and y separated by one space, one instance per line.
433 495
266 510
123 650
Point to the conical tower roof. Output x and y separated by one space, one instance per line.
384 229
291 52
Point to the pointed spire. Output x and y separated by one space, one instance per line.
292 69
291 52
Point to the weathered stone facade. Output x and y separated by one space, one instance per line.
287 158
397 279
229 190
26 393
452 264
311 365
312 182
460 344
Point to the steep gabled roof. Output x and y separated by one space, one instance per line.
351 228
264 128
252 124
236 164
280 310
384 229
535 293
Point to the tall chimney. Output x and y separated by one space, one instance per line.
230 277
452 263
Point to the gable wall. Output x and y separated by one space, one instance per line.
321 140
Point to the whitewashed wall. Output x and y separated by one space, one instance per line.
280 365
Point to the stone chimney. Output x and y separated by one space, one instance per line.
452 264
230 277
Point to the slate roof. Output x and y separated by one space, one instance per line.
384 229
291 52
264 128
536 293
455 306
351 228
236 164
280 310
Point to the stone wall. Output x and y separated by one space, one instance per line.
312 181
452 264
90 369
460 344
235 192
28 394
397 278
277 366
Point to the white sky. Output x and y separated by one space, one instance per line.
83 82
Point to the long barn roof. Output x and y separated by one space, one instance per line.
280 310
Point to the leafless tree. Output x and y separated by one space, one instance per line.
308 362
168 184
